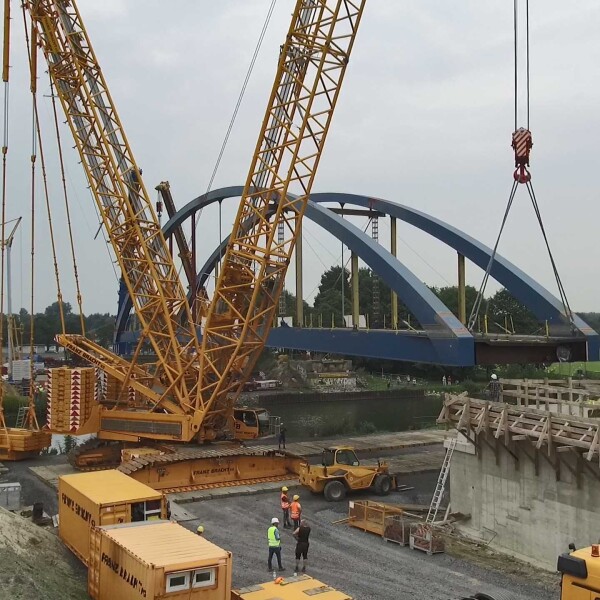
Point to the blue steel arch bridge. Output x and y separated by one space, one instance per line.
442 339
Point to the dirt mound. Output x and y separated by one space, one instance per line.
35 564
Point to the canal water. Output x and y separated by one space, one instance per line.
347 413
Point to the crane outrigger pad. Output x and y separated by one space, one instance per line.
19 444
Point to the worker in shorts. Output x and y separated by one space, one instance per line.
302 534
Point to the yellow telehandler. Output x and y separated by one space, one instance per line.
340 471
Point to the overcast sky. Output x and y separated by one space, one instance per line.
424 119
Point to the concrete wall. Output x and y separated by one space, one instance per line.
530 516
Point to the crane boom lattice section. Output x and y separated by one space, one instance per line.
125 208
311 68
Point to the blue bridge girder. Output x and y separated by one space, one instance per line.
444 340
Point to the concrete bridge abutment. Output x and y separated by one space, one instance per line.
523 501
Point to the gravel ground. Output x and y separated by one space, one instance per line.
361 564
32 489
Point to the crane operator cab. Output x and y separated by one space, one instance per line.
340 456
251 423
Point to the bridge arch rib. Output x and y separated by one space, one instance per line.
439 323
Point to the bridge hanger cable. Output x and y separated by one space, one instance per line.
522 144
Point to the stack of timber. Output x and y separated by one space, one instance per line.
18 444
71 397
554 432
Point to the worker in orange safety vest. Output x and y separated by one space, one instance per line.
285 507
296 511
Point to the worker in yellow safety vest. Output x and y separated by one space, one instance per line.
285 507
296 511
274 539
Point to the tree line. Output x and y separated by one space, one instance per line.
503 312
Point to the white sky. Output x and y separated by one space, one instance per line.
425 119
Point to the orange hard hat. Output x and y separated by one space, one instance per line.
279 580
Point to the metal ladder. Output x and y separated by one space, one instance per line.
441 483
20 422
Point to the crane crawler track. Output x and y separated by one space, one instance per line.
198 468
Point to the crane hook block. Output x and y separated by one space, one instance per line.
521 144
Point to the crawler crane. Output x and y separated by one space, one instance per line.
187 394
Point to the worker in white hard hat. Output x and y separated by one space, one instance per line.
285 507
494 388
200 530
274 539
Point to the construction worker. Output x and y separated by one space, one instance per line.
274 539
200 530
302 534
285 507
282 432
495 388
296 511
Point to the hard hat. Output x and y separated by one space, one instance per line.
296 497
284 489
494 376
274 521
200 529
279 580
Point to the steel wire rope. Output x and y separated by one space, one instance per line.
67 208
479 299
37 138
3 225
561 289
238 104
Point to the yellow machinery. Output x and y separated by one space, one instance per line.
580 571
340 471
187 393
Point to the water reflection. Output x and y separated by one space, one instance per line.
321 419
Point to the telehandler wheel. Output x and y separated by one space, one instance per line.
334 491
382 485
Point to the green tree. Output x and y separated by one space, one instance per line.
506 312
328 301
449 296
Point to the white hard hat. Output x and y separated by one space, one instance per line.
274 521
494 376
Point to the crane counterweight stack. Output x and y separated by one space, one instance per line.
187 394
